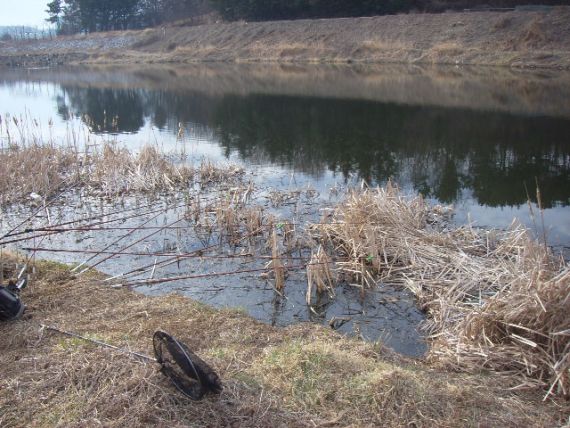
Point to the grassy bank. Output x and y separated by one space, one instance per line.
304 375
516 39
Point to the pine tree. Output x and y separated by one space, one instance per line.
54 11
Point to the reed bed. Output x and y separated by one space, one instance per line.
113 170
36 171
44 169
495 299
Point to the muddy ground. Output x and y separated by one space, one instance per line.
515 39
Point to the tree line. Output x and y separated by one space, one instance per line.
75 16
87 16
294 9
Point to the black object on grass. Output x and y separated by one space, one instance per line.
188 372
11 307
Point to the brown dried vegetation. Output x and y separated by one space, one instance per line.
494 299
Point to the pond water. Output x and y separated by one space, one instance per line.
473 138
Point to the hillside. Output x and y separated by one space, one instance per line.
515 38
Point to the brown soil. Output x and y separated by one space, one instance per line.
304 375
516 39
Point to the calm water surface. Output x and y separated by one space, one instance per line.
473 138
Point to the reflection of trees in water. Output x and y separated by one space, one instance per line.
105 110
439 151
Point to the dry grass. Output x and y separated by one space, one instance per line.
108 170
113 170
489 38
35 169
534 35
147 37
494 299
212 173
304 375
447 49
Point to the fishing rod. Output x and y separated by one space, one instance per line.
121 252
59 225
127 247
116 241
142 282
190 255
162 264
171 257
95 229
175 258
55 232
44 206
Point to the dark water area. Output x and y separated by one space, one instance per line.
479 139
441 151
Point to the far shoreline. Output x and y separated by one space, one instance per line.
515 39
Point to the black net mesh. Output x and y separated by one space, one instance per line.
190 374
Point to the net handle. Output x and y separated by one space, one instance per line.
99 343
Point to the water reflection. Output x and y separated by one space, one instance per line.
439 151
105 110
445 132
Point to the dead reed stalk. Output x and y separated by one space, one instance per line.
320 275
277 264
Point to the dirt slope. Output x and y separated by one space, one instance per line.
517 39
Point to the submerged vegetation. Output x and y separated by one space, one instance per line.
496 301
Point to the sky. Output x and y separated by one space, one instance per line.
23 12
